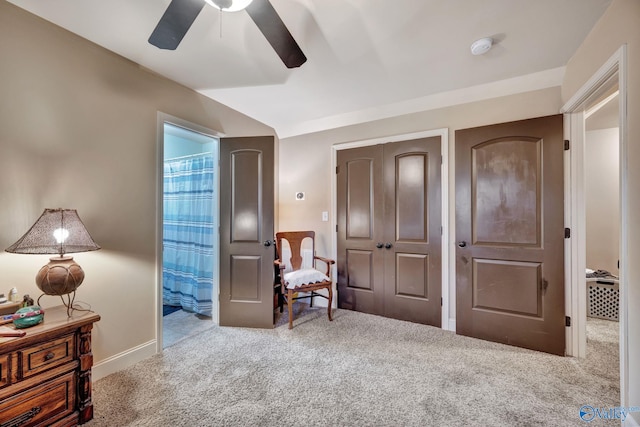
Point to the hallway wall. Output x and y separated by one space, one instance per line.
602 199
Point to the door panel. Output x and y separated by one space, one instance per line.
413 229
246 190
359 192
507 286
412 275
389 223
360 269
360 198
246 223
506 191
245 280
411 205
510 232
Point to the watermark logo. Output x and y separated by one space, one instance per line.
589 413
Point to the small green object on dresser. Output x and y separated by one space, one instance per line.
28 316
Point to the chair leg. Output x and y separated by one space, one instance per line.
329 302
290 307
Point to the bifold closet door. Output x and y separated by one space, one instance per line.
389 225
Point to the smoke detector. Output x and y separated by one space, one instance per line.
481 46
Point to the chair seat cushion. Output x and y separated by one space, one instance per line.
306 276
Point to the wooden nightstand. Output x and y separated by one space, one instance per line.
45 376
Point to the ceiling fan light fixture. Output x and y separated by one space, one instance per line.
229 5
481 46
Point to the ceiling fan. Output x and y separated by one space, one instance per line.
180 14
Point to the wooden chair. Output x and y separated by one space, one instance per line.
300 279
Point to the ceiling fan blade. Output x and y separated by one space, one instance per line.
175 23
276 33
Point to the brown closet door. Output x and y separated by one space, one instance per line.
246 231
389 243
510 232
412 217
360 229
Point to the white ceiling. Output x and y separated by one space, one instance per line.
367 59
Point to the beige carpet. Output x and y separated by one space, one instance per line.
359 370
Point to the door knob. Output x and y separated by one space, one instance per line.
267 243
462 244
388 245
379 245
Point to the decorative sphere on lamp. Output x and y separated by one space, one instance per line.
61 276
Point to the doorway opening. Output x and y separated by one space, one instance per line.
602 220
611 75
188 223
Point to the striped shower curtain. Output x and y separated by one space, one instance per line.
187 270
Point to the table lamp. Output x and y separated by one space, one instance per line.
57 231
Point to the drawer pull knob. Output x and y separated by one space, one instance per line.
49 356
22 419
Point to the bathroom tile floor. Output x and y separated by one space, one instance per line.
183 324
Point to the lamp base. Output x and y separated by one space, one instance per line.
61 276
68 303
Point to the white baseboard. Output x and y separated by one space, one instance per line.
123 360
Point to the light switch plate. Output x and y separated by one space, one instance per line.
325 216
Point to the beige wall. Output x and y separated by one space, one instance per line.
78 130
305 161
602 199
620 25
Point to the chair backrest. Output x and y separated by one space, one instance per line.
295 238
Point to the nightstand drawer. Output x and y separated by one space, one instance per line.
52 401
45 356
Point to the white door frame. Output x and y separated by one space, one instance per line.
161 120
575 248
444 185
